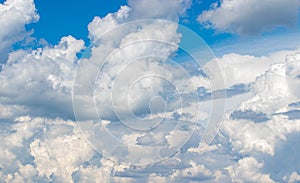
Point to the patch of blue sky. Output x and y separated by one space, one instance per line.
60 18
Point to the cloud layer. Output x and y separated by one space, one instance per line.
40 140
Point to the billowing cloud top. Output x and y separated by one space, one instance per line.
14 15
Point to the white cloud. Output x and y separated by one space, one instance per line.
294 177
193 172
14 15
272 92
137 10
135 80
238 69
248 170
250 16
47 150
37 81
244 69
121 72
63 161
153 178
99 26
276 88
249 137
55 150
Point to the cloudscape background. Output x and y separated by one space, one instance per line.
50 51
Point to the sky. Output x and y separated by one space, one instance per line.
149 91
74 22
80 14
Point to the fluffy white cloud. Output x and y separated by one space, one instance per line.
14 15
249 137
99 26
138 10
193 172
276 88
63 161
248 170
40 81
250 16
47 150
33 151
294 177
129 77
244 69
132 59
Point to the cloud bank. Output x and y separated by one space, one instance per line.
41 142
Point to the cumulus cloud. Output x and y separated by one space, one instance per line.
99 26
276 88
14 15
60 163
128 77
294 177
248 170
51 149
138 48
138 10
249 137
39 81
54 150
251 16
244 69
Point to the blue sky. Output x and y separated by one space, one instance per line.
72 18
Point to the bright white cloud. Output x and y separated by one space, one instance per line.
250 16
276 88
40 81
14 15
294 177
245 69
59 154
99 26
249 137
193 172
122 75
248 170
